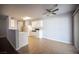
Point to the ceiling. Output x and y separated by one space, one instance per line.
34 10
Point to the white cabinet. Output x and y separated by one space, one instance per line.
37 34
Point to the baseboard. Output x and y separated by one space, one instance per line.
21 46
57 40
18 48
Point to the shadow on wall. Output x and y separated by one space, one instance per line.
3 26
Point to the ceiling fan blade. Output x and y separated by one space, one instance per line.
54 13
54 7
55 10
48 10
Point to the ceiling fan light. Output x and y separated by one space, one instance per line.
26 18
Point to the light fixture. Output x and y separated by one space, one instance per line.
26 18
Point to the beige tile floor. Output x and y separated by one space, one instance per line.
45 46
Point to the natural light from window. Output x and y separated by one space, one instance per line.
12 24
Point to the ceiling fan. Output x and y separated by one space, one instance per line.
51 11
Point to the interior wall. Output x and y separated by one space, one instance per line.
76 30
2 26
6 32
21 36
58 28
11 34
1 6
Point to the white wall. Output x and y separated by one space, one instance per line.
58 28
76 30
23 39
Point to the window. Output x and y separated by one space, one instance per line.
12 24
